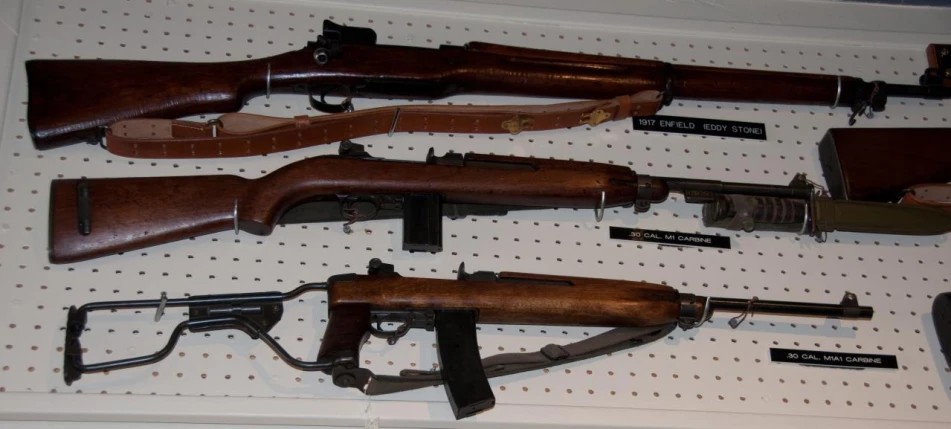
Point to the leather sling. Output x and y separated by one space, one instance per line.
243 134
513 363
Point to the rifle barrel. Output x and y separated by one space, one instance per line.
718 187
791 308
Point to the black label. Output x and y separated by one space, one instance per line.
844 360
708 127
670 238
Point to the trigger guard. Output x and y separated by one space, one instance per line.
352 214
393 336
323 106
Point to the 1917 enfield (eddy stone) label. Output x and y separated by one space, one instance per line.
670 238
702 126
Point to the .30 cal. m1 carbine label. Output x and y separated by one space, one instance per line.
833 359
702 126
670 238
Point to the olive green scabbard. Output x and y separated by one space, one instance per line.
879 218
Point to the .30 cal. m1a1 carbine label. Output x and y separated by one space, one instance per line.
670 238
702 126
833 359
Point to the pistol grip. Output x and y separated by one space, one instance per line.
347 330
460 364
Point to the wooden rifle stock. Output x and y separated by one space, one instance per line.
518 299
71 100
359 306
532 300
97 217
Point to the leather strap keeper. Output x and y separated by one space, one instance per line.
242 134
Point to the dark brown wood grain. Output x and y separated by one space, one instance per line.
585 302
128 214
879 164
346 332
517 298
71 99
132 213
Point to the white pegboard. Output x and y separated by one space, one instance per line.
711 377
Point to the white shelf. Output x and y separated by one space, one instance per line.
713 377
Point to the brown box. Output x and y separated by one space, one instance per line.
878 164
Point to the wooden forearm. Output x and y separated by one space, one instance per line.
562 301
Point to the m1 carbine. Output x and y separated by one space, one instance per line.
360 305
73 100
90 218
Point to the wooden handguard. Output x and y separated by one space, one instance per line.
548 300
515 298
96 217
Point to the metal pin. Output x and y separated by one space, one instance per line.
599 209
396 118
267 82
235 216
214 126
734 322
160 311
838 93
807 218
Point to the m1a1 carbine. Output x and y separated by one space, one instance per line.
90 218
360 305
73 100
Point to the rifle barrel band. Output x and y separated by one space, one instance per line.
599 209
234 215
838 92
806 217
267 82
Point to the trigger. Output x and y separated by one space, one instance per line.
407 320
392 336
323 106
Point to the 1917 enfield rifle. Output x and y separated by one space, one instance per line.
90 218
74 100
360 305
